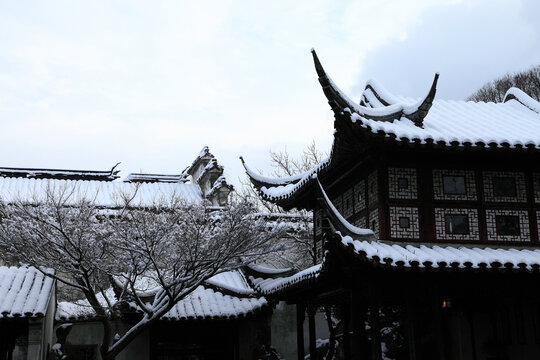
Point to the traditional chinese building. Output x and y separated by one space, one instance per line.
428 209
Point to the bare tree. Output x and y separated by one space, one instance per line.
527 81
170 246
300 252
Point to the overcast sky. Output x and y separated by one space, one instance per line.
85 85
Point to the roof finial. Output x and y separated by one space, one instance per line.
417 117
114 167
318 65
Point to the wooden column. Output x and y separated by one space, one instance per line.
360 347
300 315
376 352
346 323
312 335
411 314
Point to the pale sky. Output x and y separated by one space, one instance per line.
84 85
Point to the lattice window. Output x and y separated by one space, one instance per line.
503 186
359 196
507 225
536 179
449 227
338 203
348 210
372 188
374 222
538 222
318 222
454 185
404 223
402 183
360 222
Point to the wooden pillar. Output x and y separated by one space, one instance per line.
376 353
312 334
346 323
300 315
410 314
360 347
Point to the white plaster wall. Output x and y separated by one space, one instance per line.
284 330
90 332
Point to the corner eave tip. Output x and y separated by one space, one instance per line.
318 66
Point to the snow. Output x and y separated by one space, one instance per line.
204 152
267 270
515 122
353 229
218 184
285 189
207 303
138 177
381 91
106 193
523 98
437 255
211 165
273 181
24 292
270 285
109 175
465 122
233 281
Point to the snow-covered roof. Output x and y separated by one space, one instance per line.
221 182
106 193
232 281
513 123
205 152
411 255
207 303
276 189
24 292
465 123
139 177
271 286
224 296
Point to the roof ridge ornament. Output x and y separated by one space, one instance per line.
523 98
422 109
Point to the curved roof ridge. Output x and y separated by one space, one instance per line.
393 110
381 92
272 181
523 98
339 221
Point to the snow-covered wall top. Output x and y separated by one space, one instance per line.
107 194
24 292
